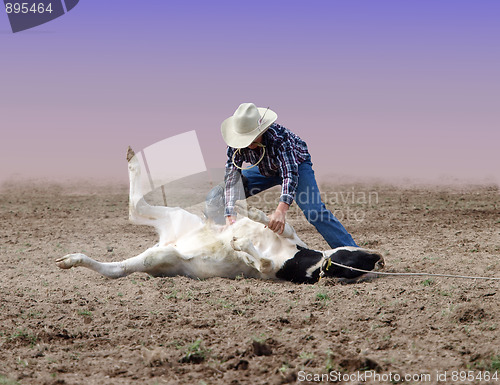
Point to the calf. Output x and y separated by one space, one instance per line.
200 249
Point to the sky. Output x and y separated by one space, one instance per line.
378 89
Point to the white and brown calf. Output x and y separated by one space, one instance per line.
196 248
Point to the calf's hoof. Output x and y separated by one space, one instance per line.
237 244
130 153
68 261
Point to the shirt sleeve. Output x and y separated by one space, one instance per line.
289 172
231 177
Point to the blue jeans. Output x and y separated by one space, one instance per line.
307 197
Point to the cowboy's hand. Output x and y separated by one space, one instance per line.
229 221
277 219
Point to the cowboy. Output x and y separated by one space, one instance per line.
277 157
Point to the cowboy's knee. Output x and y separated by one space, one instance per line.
214 204
215 197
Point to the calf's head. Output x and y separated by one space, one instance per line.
307 265
352 257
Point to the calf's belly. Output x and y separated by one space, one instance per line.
198 267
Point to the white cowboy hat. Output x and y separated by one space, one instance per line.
247 123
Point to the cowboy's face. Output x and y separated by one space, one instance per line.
254 144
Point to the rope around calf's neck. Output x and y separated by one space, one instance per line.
330 262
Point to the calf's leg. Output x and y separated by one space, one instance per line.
259 216
156 261
170 222
140 212
247 251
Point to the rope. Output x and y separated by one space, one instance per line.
253 165
330 262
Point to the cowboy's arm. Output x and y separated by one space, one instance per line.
289 171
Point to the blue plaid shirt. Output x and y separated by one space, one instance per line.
284 152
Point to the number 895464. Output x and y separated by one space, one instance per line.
28 8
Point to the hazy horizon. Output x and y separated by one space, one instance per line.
388 90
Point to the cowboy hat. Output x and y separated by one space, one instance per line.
247 123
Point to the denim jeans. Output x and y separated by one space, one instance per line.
307 197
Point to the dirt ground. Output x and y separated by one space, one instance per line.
76 327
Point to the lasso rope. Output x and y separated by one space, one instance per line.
329 262
253 165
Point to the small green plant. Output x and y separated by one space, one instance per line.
322 297
495 363
23 335
32 314
492 365
224 303
195 353
329 362
268 292
261 339
427 282
7 381
171 295
85 313
307 359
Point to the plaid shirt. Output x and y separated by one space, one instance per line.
284 152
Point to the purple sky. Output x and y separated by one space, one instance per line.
384 89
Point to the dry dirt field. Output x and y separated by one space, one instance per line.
76 327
